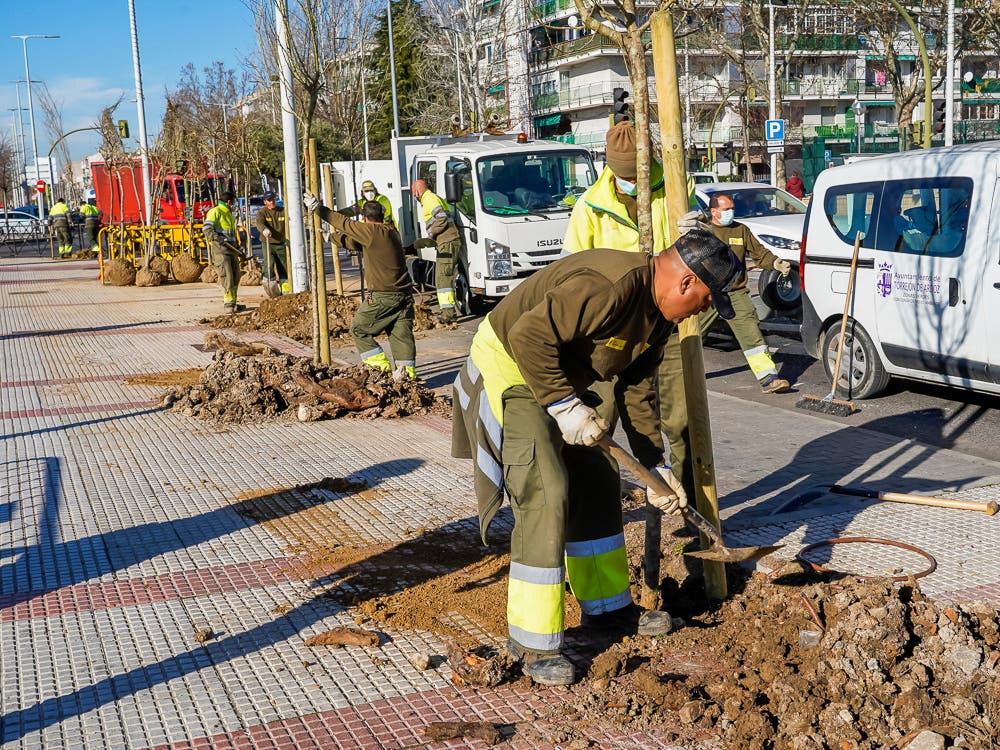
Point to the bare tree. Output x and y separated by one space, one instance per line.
10 172
52 116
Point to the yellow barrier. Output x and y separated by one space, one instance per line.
167 240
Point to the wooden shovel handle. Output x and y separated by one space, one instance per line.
989 508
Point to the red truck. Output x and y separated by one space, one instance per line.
119 195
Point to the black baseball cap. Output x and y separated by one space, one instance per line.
715 264
269 196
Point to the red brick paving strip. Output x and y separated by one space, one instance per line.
67 410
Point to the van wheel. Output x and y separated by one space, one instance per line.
779 292
862 374
466 302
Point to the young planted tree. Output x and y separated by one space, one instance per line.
53 118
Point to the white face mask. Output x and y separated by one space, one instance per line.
726 217
626 187
369 194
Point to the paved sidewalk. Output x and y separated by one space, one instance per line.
120 535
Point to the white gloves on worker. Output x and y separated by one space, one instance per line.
579 424
689 221
310 201
266 234
783 267
672 503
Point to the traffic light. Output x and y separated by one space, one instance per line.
704 162
619 107
123 128
939 111
726 151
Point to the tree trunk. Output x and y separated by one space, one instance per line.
635 60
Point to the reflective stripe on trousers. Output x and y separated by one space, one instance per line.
760 361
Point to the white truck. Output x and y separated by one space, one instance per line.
511 198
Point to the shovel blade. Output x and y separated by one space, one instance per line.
271 288
734 554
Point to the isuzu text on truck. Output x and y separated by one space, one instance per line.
511 199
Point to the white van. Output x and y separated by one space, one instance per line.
927 292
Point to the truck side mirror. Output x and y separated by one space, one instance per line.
452 187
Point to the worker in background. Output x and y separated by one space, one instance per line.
795 186
523 411
440 228
387 306
59 216
370 193
91 224
220 233
270 222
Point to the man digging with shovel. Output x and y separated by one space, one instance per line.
270 221
525 412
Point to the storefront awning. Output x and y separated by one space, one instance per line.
541 122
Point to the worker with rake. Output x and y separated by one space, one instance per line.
524 410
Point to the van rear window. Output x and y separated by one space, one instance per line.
926 216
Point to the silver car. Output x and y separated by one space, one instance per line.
18 226
777 219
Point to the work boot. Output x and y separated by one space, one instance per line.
774 384
630 620
447 315
543 668
233 307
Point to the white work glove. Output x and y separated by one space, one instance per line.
310 201
579 424
783 267
266 234
689 221
668 503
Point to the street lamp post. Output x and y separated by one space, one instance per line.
772 104
20 126
392 69
458 77
31 112
859 110
140 105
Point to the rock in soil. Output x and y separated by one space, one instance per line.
237 389
345 637
161 265
485 665
185 268
204 635
291 315
438 731
421 662
147 277
119 273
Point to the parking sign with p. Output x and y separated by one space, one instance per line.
774 130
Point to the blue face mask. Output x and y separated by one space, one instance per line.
726 217
626 187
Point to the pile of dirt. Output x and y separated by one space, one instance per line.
291 315
83 254
147 277
161 265
185 268
119 273
238 389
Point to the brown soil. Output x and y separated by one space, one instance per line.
119 273
291 315
185 268
345 637
147 277
757 671
209 275
161 265
83 254
251 277
239 389
170 377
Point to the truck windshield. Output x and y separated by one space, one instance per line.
527 183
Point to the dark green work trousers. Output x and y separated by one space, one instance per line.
61 227
227 265
444 272
673 406
91 227
386 312
276 255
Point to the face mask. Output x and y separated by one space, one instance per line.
726 217
626 187
369 194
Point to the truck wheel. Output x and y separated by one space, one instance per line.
782 293
862 374
467 302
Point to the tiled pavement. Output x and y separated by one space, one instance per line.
120 536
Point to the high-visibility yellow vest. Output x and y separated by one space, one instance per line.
89 211
221 219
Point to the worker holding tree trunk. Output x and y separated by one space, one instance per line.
387 306
270 222
525 412
219 229
440 228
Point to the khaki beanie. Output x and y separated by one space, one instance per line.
620 155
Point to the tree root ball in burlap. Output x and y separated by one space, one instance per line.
251 277
185 268
147 277
119 273
209 276
160 264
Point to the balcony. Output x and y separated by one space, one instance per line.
585 45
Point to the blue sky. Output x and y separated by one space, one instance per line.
91 64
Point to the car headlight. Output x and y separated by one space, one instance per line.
498 261
783 243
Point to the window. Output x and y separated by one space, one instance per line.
763 201
427 171
851 208
524 183
928 216
467 203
